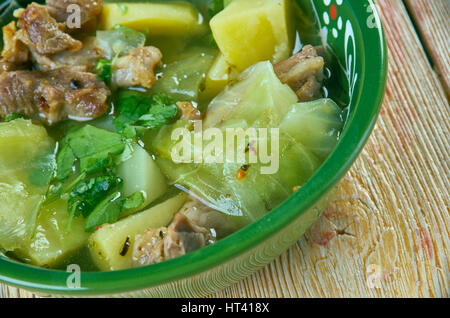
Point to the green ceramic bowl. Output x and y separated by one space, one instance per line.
352 30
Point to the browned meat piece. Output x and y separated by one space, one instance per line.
184 236
89 9
14 51
303 72
86 57
53 96
188 111
42 34
310 90
180 238
137 67
193 227
218 223
149 247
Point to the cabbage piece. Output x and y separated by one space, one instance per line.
320 124
119 41
26 164
307 134
51 242
182 79
258 96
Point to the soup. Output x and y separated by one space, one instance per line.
137 132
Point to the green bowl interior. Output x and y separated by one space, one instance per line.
352 30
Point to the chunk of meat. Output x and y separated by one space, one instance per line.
196 225
149 247
89 10
137 67
303 72
184 236
61 94
14 51
42 34
181 237
218 223
188 111
87 57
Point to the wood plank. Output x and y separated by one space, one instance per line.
432 19
392 210
391 214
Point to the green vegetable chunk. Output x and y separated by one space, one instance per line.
26 165
141 175
119 41
307 134
183 78
52 244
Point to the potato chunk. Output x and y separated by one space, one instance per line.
250 31
158 18
219 75
140 173
111 245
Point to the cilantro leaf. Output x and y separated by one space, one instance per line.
131 108
12 116
214 7
106 212
104 68
65 161
158 116
141 111
133 202
94 147
109 210
87 194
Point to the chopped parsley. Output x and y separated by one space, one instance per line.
85 175
104 68
137 112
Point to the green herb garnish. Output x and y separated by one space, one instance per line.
94 154
138 112
104 68
12 116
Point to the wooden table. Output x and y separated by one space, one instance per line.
387 232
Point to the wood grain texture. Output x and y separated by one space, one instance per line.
387 232
432 19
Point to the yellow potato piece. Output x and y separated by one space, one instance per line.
107 244
140 173
251 31
157 18
219 75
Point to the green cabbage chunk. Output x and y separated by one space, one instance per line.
119 41
26 165
182 79
307 134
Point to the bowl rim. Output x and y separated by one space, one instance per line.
338 163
